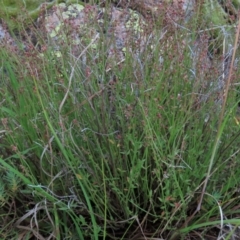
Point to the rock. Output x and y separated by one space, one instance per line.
116 30
6 39
156 8
92 27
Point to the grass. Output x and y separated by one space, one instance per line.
119 154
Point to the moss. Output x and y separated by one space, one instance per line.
221 29
236 3
214 12
25 11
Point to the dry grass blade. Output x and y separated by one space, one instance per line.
29 229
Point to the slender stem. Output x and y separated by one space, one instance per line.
219 132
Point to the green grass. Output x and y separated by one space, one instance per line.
83 160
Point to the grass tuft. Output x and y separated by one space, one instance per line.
93 146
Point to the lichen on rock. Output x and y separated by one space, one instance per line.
79 25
